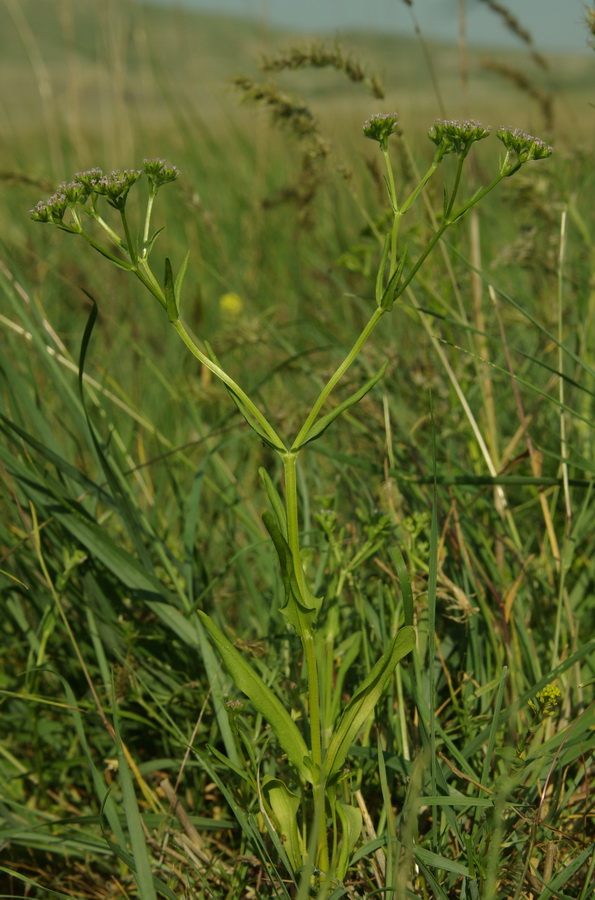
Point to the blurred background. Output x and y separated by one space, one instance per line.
552 25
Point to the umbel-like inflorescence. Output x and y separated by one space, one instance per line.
525 146
547 701
159 172
458 136
114 186
453 136
380 127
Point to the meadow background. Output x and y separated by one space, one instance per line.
122 516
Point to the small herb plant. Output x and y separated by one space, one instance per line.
311 816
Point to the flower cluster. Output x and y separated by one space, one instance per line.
548 700
235 705
114 186
52 210
525 146
380 127
452 136
159 172
89 178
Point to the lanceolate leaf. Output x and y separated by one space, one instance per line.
275 501
180 280
301 606
381 271
390 294
365 699
262 697
152 239
407 594
323 423
247 413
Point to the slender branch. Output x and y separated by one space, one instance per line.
231 384
338 374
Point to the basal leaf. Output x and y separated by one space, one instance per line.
262 697
365 699
351 825
284 806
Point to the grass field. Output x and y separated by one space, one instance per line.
148 750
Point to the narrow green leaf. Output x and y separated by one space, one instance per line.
179 282
381 270
403 575
262 697
390 294
553 887
365 699
428 858
152 239
143 873
348 652
246 413
226 761
320 426
25 880
129 861
118 486
487 762
171 304
301 607
275 501
193 634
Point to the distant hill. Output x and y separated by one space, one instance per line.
81 67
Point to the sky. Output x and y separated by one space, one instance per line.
554 24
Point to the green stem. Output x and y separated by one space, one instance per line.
129 244
230 383
338 374
312 673
93 214
392 193
378 313
151 200
417 190
293 539
455 189
104 252
144 274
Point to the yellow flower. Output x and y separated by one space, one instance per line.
231 304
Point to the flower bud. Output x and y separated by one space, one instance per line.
115 186
159 172
380 127
51 210
523 145
452 136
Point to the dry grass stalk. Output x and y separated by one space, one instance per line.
543 99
